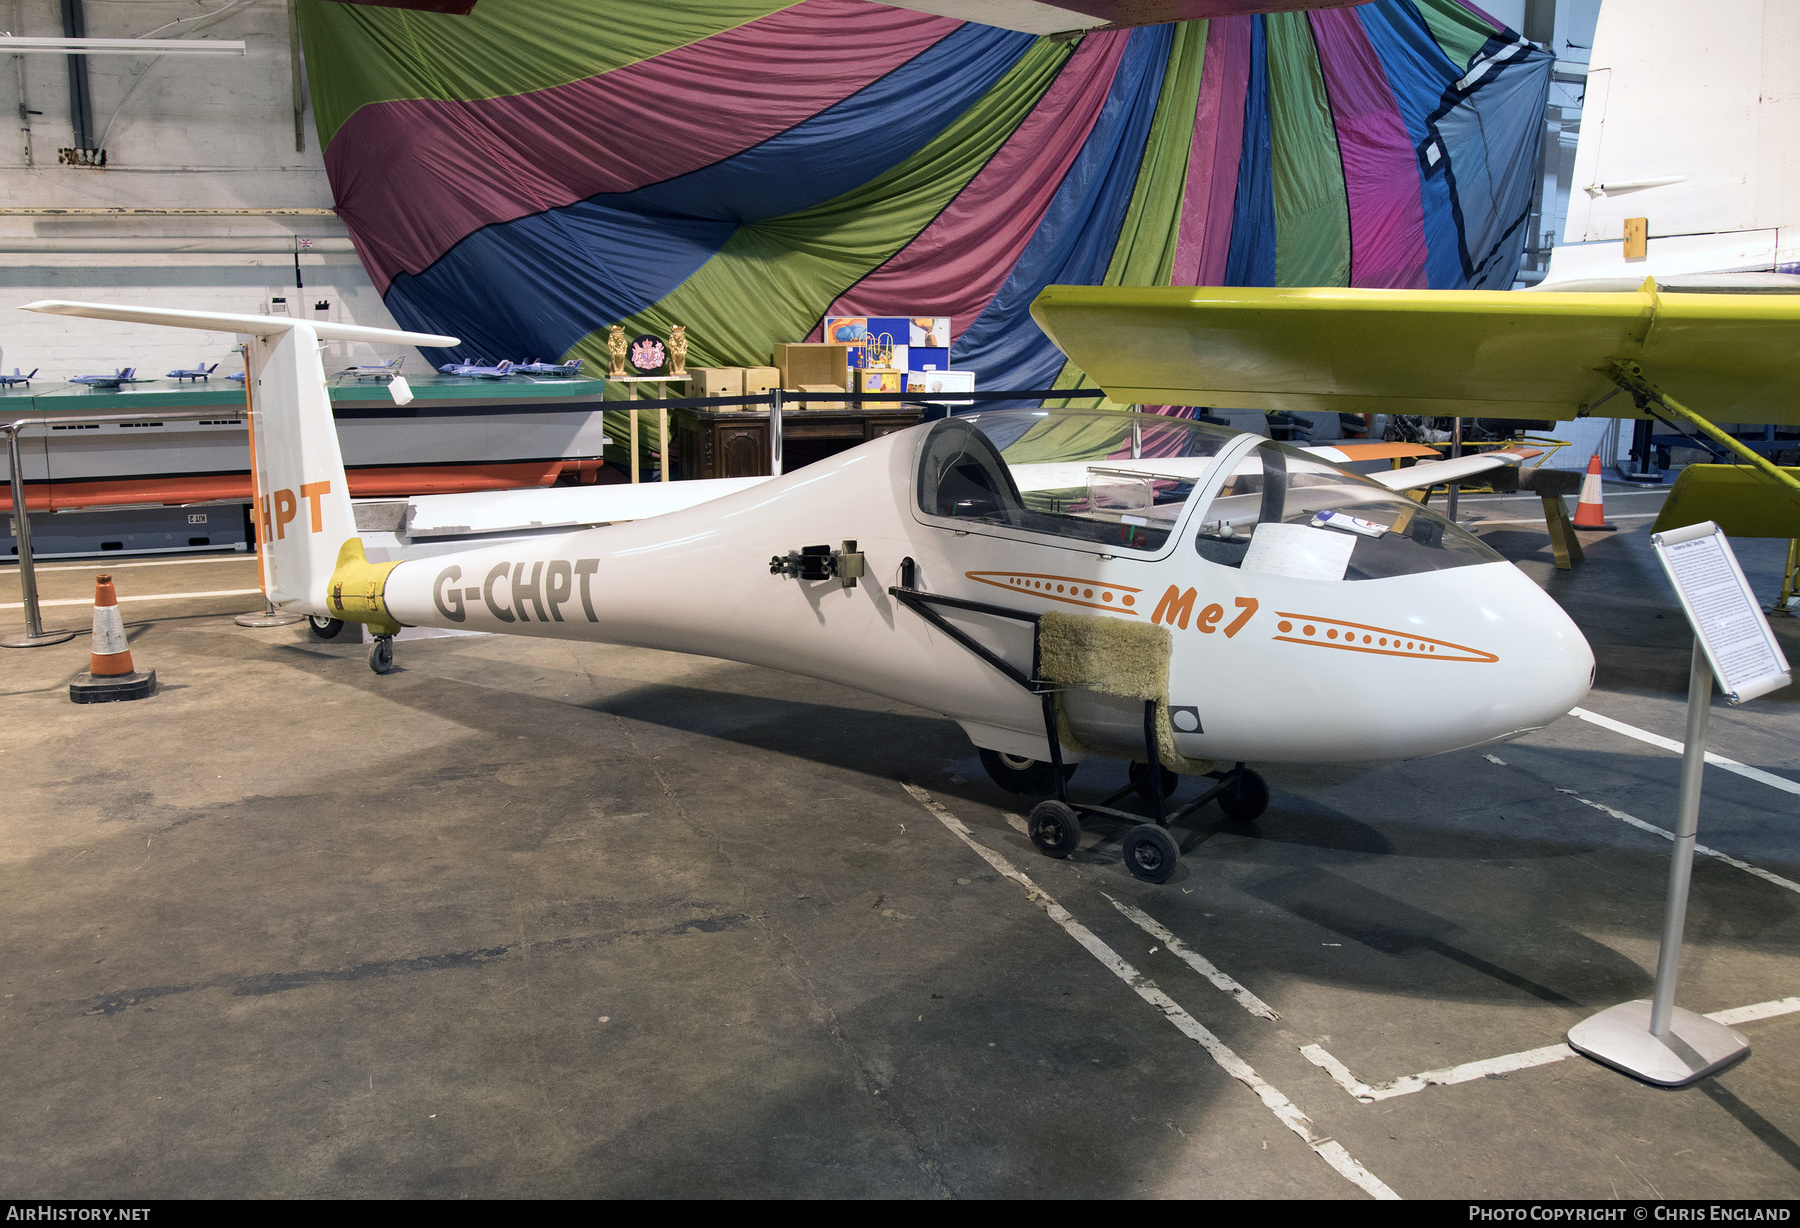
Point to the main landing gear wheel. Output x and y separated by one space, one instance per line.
1017 774
1055 829
1150 853
325 628
1140 780
1248 797
381 654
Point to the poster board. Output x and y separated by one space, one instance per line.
1727 618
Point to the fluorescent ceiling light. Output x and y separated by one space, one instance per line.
121 46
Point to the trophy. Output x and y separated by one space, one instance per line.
678 351
615 350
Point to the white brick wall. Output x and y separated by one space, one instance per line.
181 132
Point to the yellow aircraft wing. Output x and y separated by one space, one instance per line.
1474 353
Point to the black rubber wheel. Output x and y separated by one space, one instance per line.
325 628
381 654
1140 780
1248 797
1016 774
1055 829
1150 853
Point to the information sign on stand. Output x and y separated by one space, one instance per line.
1656 1040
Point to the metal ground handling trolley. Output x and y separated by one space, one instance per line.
1055 828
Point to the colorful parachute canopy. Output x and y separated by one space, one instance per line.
526 175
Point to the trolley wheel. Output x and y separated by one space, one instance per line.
1140 780
381 654
1055 829
1248 797
325 627
1150 853
1017 774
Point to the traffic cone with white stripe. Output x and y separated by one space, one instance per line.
110 675
1590 513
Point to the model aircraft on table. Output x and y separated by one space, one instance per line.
475 371
556 370
200 372
121 376
7 381
382 371
1061 584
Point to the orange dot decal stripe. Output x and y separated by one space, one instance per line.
1380 641
1070 590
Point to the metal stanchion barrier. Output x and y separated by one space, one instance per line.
1453 490
35 636
775 432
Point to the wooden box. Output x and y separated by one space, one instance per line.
761 380
715 382
807 362
878 380
821 404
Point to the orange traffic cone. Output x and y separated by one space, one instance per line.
1590 513
111 675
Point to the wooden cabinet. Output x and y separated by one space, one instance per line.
735 443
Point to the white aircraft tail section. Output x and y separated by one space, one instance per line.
302 496
303 512
1689 121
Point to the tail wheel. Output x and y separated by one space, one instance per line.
1017 774
381 654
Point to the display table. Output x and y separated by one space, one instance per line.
713 443
662 383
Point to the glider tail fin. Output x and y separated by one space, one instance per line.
303 512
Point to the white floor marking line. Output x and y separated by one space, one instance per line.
218 592
1407 1084
1468 1072
1750 1014
103 564
1198 962
1329 1150
1702 849
1669 744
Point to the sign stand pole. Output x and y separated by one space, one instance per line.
1656 1040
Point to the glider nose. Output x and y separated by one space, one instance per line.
1552 667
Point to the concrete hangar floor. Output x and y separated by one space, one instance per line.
531 918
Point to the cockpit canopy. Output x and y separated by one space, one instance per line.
1125 483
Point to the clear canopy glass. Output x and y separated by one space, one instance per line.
1123 481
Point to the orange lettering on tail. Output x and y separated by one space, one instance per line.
285 507
311 492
